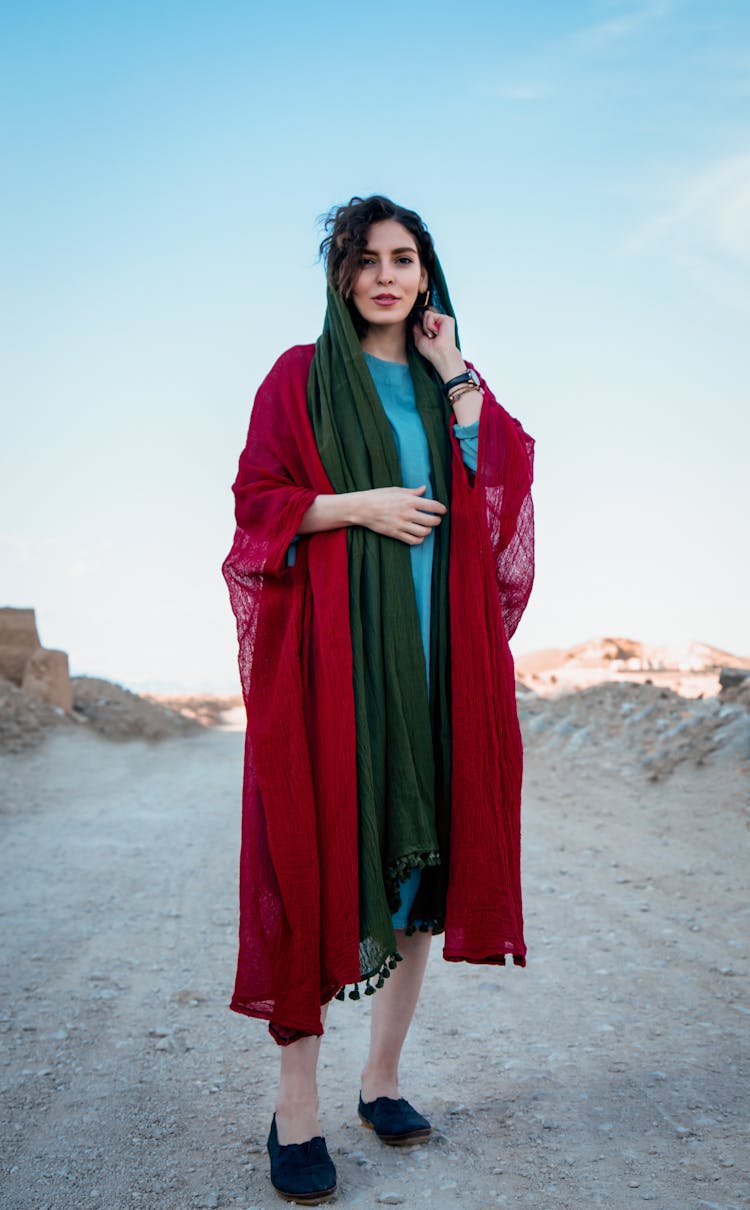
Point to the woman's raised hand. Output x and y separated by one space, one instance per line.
435 339
399 512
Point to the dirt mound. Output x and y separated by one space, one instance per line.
629 724
104 707
208 709
116 713
24 720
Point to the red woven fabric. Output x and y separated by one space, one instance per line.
299 936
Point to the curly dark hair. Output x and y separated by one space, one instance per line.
347 228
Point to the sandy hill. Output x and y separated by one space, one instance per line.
103 707
690 669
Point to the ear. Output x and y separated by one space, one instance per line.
424 280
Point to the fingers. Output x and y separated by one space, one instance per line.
429 324
427 504
425 509
428 519
415 527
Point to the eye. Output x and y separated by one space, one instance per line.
367 260
406 260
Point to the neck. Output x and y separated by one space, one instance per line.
388 342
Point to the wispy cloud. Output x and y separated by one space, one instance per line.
556 65
602 34
712 207
706 227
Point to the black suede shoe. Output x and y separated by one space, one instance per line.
301 1172
394 1122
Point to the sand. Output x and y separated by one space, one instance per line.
610 1072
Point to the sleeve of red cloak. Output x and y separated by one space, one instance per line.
272 490
505 468
279 868
491 574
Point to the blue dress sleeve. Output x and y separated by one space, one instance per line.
468 436
291 554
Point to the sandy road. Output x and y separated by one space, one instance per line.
610 1072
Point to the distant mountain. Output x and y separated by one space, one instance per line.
691 669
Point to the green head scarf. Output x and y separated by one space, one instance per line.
403 734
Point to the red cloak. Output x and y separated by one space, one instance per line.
299 935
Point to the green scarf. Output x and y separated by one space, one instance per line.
403 739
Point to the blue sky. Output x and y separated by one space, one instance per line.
585 171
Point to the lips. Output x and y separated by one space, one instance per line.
385 300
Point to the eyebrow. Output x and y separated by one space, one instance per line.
394 251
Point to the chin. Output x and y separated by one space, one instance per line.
384 320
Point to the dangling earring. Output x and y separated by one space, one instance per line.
424 305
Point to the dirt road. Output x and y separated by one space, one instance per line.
611 1071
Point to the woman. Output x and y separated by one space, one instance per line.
383 557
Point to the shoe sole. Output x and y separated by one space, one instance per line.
307 1199
400 1140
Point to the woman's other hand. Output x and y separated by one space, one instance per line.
399 512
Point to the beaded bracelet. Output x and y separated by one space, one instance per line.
457 392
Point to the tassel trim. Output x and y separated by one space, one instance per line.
426 926
401 870
383 973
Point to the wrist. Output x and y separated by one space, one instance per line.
356 510
450 365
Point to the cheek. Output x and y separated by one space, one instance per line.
361 282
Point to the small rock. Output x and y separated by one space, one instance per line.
359 1157
634 1184
390 1199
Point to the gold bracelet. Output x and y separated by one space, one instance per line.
457 392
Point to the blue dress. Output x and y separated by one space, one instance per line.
394 386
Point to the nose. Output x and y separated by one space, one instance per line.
385 272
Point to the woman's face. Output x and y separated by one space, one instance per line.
391 277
